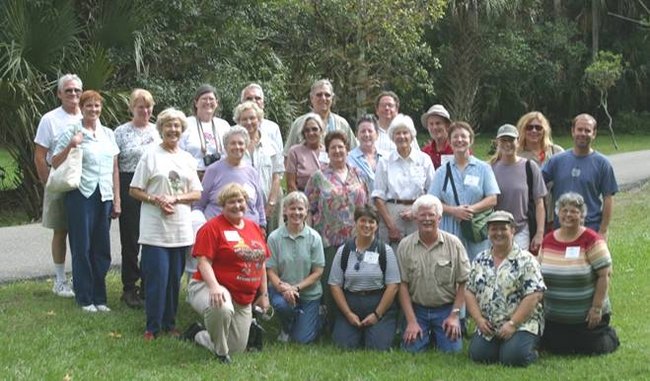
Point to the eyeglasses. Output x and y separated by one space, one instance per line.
255 98
71 91
312 129
323 94
536 127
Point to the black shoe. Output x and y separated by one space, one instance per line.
131 299
191 331
225 359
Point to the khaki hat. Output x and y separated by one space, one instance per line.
508 130
439 110
501 216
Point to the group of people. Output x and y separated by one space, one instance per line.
371 225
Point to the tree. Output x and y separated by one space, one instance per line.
602 74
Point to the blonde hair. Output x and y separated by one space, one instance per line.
547 141
229 191
140 95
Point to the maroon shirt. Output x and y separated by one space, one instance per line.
431 150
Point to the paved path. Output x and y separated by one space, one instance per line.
25 250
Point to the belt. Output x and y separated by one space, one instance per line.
367 292
401 202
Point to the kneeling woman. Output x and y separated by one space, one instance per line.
364 282
294 271
231 253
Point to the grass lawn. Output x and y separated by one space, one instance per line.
48 338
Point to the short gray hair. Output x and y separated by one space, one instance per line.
248 87
401 121
246 106
66 78
168 115
321 83
427 201
236 130
311 116
294 197
571 199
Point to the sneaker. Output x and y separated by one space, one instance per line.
102 308
89 308
149 336
283 337
225 359
62 289
191 331
132 299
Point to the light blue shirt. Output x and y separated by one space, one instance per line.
473 184
357 159
99 151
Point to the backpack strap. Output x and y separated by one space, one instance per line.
529 179
449 178
345 254
377 245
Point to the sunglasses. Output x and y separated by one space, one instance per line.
357 265
70 91
536 127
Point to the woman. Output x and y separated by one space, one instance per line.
133 138
166 183
576 265
303 160
475 187
401 177
366 156
91 207
364 282
503 296
231 253
509 170
203 137
535 143
294 271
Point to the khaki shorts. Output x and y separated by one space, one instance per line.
54 215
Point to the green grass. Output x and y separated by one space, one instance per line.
48 338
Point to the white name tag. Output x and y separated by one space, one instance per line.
323 157
572 252
371 257
471 181
232 236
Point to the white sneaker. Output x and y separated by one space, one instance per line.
102 308
283 337
89 308
62 289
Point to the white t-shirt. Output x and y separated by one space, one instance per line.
50 127
191 141
160 172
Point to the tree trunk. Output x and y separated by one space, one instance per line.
595 27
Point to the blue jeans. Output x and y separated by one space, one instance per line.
430 321
377 337
301 322
162 269
519 350
89 223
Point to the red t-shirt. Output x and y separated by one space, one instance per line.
435 154
237 255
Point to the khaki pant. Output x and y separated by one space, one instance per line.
227 326
54 214
405 227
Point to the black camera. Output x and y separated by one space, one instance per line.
211 158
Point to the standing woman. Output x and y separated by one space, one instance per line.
91 207
166 183
475 184
511 172
294 270
303 160
401 177
133 138
535 143
366 156
204 133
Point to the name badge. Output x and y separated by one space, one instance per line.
323 158
471 181
232 236
572 252
371 257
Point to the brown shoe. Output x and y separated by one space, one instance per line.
131 299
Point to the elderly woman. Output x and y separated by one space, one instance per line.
133 139
303 160
91 207
321 98
364 281
204 134
503 295
231 252
294 271
401 177
366 156
166 183
521 198
576 265
437 120
466 186
535 143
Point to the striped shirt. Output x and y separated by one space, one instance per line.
570 273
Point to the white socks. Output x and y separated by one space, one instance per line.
59 271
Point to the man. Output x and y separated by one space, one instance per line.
51 125
321 98
586 172
254 93
437 120
386 108
504 297
434 268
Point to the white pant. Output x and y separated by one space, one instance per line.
522 239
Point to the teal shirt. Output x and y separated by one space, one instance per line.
294 257
99 151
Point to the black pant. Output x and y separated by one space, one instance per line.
129 233
565 339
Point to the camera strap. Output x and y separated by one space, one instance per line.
216 137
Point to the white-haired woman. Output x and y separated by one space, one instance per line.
166 183
303 160
401 177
